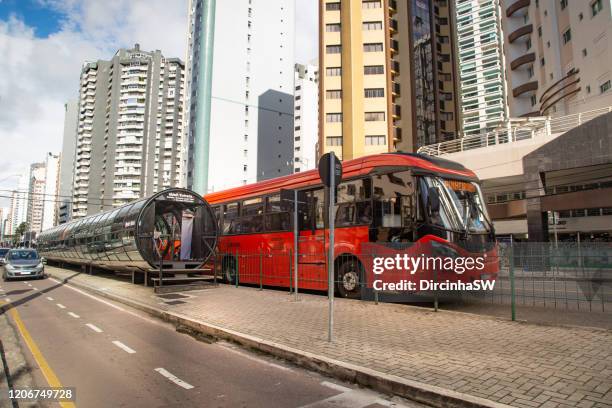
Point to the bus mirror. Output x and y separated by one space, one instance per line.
433 199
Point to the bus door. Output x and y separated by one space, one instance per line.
311 241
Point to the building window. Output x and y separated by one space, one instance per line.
374 116
567 36
370 4
372 25
372 47
333 117
333 94
596 7
373 69
534 100
332 28
333 49
563 4
605 87
528 44
374 92
539 31
584 52
580 16
332 6
375 140
333 71
333 141
588 89
542 61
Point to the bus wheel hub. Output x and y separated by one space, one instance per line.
349 281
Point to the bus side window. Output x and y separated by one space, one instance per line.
276 219
318 206
230 213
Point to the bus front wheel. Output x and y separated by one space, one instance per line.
349 279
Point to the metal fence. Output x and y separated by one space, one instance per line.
568 276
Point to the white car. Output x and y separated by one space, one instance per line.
23 263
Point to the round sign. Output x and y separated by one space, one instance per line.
324 169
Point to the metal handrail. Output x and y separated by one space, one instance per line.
513 130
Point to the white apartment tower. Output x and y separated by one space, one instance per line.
51 191
306 117
481 65
251 128
130 129
19 203
36 196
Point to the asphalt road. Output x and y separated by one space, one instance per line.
115 356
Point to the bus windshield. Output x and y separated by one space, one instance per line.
461 205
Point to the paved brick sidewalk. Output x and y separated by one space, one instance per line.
518 364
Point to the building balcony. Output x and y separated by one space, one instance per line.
523 33
522 61
563 88
397 134
392 7
526 89
393 26
395 89
518 9
397 111
394 46
395 67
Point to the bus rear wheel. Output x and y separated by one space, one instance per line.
349 279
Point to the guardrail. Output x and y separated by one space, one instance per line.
515 129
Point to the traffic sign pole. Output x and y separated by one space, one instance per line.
330 262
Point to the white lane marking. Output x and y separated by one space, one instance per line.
8 300
335 386
110 304
174 378
76 316
123 347
29 284
94 328
50 298
61 306
35 288
229 347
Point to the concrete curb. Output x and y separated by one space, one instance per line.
386 383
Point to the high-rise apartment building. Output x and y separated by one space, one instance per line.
130 129
251 109
481 65
36 196
306 117
19 202
66 172
51 191
558 56
387 75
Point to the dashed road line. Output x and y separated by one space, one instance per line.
123 347
174 378
94 328
50 298
76 316
61 306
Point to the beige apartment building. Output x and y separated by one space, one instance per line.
558 54
387 76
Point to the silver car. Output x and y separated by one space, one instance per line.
23 263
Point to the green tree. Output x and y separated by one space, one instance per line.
20 230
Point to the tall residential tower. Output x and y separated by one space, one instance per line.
251 121
130 129
558 56
387 75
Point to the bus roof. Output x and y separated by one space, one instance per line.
350 169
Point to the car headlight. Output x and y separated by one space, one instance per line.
40 265
9 266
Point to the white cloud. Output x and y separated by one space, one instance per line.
306 30
38 75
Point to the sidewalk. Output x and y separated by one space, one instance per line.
522 365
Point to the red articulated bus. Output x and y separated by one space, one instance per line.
386 204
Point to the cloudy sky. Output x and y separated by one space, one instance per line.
44 42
